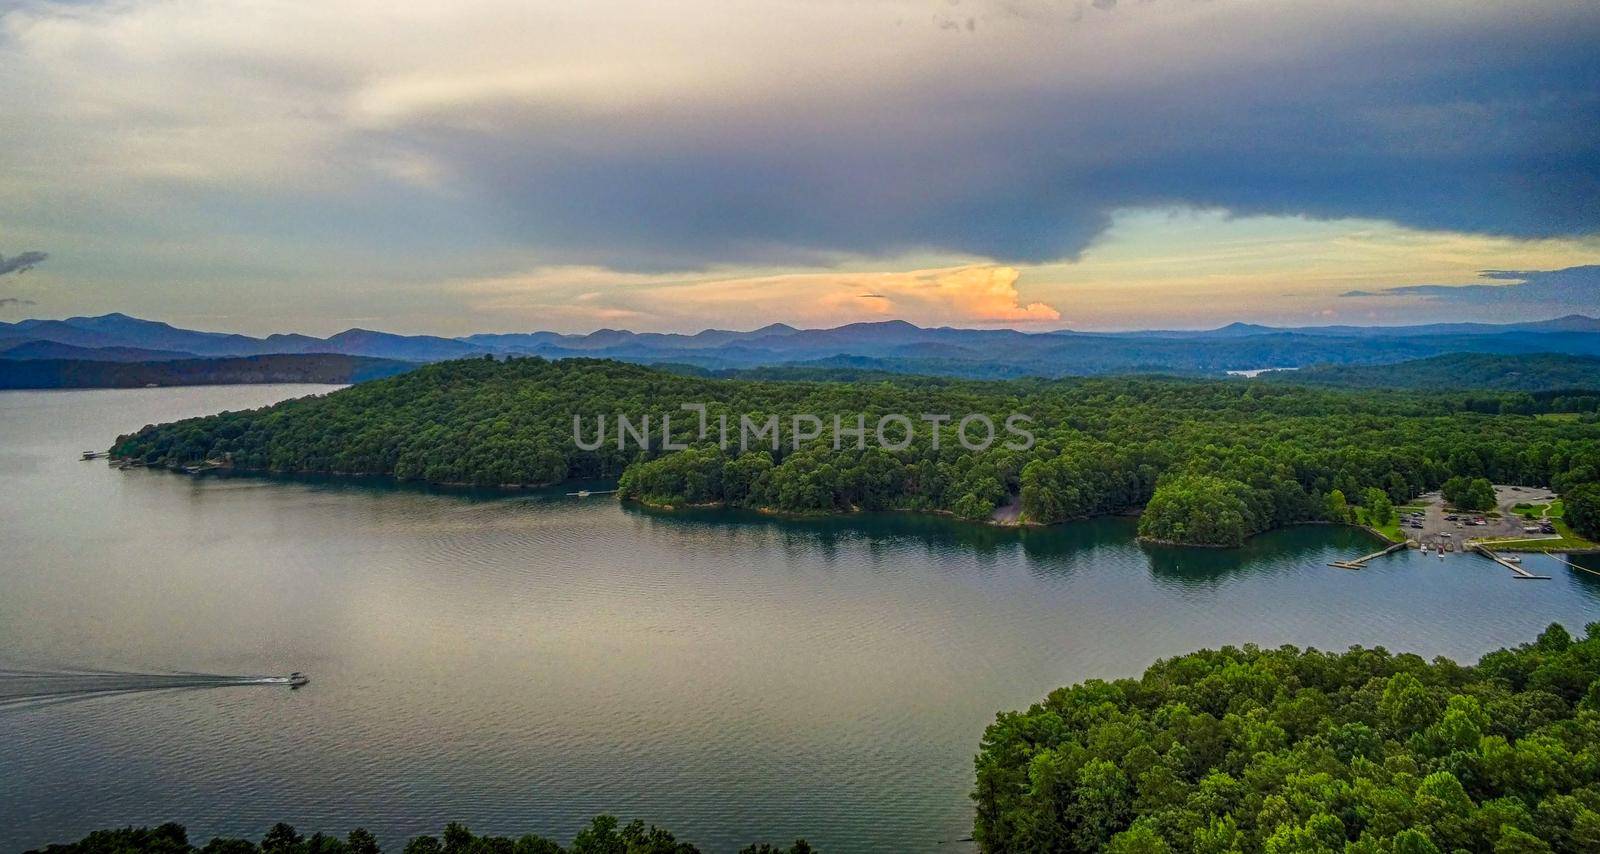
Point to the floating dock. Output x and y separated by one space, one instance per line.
1361 562
1522 574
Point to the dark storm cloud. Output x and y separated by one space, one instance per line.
1494 132
1573 288
21 263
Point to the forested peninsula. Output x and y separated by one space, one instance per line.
1209 462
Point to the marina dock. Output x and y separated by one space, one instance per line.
1361 562
1521 574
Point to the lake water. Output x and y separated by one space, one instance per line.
521 663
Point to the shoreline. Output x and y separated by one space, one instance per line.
1015 523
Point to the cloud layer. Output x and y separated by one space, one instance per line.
21 263
648 136
585 297
1575 289
447 166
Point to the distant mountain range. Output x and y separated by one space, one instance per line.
1570 323
120 330
895 346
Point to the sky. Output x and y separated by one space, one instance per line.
511 165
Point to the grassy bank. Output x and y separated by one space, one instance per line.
1565 540
1390 531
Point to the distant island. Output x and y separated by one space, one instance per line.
1202 462
286 368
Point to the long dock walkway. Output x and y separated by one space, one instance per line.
1521 573
1361 562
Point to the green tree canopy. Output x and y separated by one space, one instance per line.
1289 750
1469 493
1583 510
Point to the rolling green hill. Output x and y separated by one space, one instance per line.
1531 372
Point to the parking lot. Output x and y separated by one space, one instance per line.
1438 526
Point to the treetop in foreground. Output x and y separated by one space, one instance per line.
1288 750
604 835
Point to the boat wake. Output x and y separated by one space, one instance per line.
31 688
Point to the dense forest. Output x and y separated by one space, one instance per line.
1583 510
1542 372
282 368
1212 462
604 835
1284 750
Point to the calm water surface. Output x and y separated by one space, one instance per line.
521 663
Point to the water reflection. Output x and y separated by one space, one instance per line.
827 535
1586 576
523 661
1053 551
1048 552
